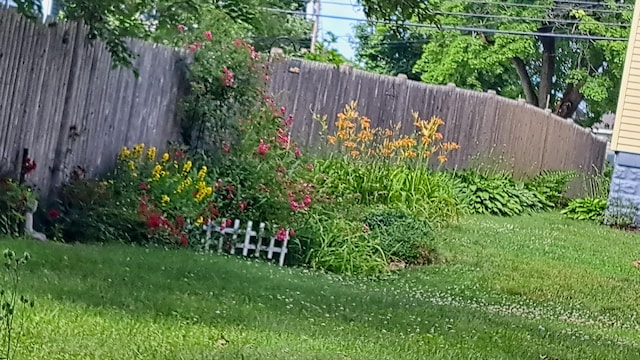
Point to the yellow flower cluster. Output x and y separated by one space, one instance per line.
125 153
184 184
187 167
137 150
158 172
202 174
203 191
354 136
151 153
165 199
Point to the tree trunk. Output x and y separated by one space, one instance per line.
525 81
571 98
548 67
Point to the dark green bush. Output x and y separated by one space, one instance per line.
552 185
91 211
589 208
363 241
14 199
498 194
402 236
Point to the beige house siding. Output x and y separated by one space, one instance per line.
626 131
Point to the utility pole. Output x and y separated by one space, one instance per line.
316 25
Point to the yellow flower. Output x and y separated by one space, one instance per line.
186 183
203 191
202 173
151 153
388 132
355 153
165 199
437 136
187 167
138 150
349 144
331 139
442 159
132 165
124 153
342 134
165 157
199 220
157 172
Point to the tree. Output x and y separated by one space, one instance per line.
560 72
113 21
385 49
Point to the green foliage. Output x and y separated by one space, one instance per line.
551 184
589 208
488 61
226 81
91 211
14 202
402 237
343 246
113 22
389 51
424 193
13 304
498 194
325 54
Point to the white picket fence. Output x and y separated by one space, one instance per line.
246 239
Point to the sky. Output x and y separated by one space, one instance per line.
343 29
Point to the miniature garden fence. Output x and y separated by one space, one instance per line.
246 239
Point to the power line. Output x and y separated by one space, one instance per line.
461 28
522 18
567 5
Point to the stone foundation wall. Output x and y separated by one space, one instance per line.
624 194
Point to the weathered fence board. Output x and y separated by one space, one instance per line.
484 124
61 99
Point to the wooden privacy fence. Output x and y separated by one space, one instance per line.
60 98
529 138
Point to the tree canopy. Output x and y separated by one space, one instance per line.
113 21
558 71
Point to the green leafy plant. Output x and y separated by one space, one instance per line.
552 184
402 236
589 208
344 246
14 202
13 304
498 194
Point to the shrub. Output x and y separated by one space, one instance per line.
402 237
14 200
227 83
589 208
90 210
498 194
362 240
376 166
343 246
552 185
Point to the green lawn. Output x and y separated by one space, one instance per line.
530 287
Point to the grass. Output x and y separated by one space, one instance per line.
529 287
